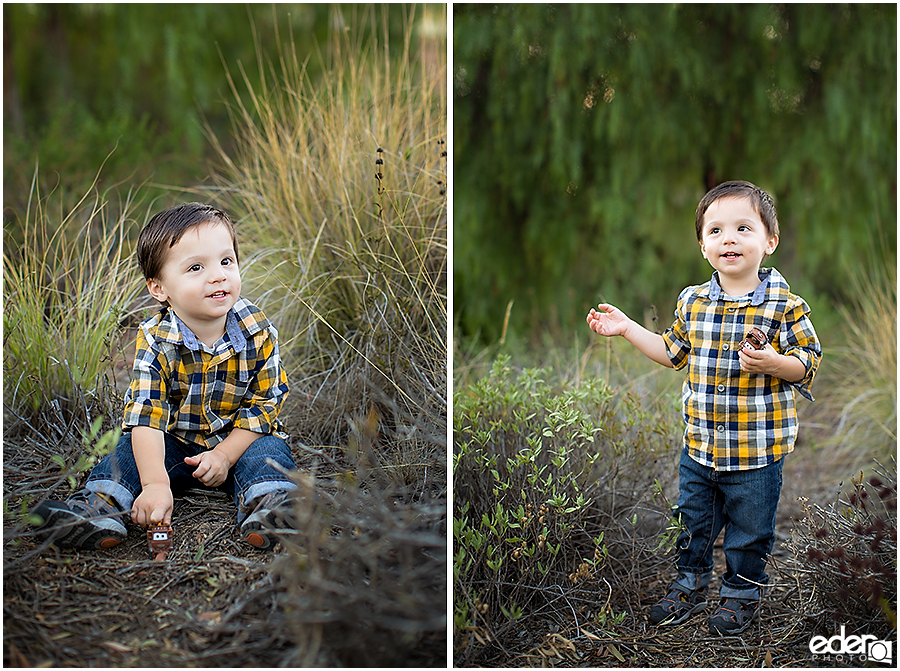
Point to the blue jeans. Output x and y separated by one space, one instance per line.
251 477
744 503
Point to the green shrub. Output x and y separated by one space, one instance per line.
553 489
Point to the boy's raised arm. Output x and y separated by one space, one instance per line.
611 321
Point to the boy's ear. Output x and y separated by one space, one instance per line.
772 245
157 291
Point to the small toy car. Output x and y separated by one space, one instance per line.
159 538
755 339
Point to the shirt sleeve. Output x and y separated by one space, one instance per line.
145 401
267 390
798 338
676 336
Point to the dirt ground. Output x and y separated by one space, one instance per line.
214 601
117 607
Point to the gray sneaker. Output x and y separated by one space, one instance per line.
273 511
84 520
733 617
678 605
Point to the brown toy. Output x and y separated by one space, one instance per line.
755 339
159 538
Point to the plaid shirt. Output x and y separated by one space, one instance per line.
737 420
199 393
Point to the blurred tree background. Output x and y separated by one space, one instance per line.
586 134
145 80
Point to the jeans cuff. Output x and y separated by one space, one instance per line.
752 593
693 581
262 488
123 497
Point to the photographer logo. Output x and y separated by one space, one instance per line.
866 647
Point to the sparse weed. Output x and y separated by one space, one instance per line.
844 557
94 446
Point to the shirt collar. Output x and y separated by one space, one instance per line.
756 298
232 329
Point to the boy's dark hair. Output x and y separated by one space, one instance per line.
166 228
761 201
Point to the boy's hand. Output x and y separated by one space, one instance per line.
767 361
153 505
610 321
212 467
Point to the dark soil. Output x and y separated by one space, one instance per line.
214 600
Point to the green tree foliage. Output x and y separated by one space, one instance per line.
80 80
586 134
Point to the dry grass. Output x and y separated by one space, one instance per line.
68 284
858 401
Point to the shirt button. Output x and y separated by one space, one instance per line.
721 387
726 346
720 428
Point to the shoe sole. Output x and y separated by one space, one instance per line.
672 621
258 540
257 529
67 529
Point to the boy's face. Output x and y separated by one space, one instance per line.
200 277
734 240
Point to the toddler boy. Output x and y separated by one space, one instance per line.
738 402
204 400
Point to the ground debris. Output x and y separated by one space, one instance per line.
118 608
216 601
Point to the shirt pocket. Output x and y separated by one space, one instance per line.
770 327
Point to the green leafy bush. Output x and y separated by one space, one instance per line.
553 495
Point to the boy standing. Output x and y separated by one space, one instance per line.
203 402
738 402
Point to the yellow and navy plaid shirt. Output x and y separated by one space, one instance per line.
199 393
737 420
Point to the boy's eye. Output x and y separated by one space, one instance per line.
227 261
194 268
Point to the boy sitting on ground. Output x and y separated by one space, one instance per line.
204 400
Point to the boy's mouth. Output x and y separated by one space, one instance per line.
218 295
731 255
